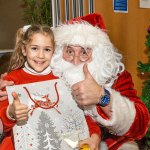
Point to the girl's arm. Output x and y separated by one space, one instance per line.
95 135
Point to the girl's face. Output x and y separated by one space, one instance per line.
39 52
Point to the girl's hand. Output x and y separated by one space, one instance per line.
18 111
93 142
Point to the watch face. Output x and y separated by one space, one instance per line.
104 99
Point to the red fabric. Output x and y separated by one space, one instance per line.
7 144
93 127
94 19
124 85
115 142
8 124
21 77
102 114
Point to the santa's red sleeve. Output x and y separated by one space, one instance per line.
129 116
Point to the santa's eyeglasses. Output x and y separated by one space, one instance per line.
71 51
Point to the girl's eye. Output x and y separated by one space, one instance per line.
33 48
48 49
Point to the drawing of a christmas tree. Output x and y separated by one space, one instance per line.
48 137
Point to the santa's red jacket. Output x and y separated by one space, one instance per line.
129 119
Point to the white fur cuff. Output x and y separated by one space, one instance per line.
122 117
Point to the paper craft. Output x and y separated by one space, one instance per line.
53 117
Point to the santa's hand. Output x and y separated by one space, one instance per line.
3 84
18 111
87 92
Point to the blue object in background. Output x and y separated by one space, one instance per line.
120 5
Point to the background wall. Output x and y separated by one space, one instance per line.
126 30
128 33
10 21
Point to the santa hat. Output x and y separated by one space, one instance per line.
94 19
86 31
89 32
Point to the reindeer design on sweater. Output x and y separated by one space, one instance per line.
48 104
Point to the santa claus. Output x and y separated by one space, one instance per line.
91 66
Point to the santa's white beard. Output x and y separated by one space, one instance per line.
72 73
104 67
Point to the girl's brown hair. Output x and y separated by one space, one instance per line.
17 59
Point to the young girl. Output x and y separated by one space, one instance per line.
30 63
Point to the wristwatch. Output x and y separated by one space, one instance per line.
104 99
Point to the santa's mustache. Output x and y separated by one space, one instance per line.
68 72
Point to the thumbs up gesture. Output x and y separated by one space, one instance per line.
17 110
87 92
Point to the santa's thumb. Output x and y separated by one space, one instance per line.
86 72
16 98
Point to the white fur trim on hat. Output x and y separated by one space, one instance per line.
82 34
